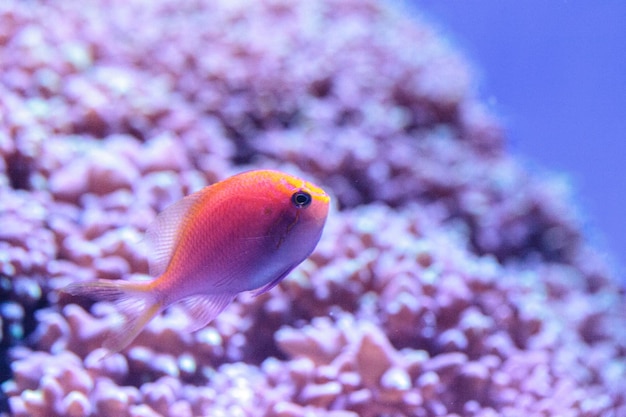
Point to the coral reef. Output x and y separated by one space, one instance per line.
450 281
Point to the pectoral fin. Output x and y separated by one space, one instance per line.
274 282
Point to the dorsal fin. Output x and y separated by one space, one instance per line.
163 234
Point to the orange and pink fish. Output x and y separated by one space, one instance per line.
245 233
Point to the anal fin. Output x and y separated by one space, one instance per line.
205 307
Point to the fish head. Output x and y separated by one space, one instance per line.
300 209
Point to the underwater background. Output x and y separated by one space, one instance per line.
555 74
451 280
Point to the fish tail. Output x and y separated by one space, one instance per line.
136 300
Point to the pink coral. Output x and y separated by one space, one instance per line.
449 281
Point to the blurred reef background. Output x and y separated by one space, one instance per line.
450 280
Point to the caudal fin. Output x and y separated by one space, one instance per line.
136 300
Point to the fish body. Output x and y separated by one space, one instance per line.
245 233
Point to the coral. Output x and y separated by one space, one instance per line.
450 281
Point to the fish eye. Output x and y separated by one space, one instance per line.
301 199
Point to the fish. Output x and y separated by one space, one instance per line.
245 233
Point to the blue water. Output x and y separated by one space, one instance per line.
555 72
